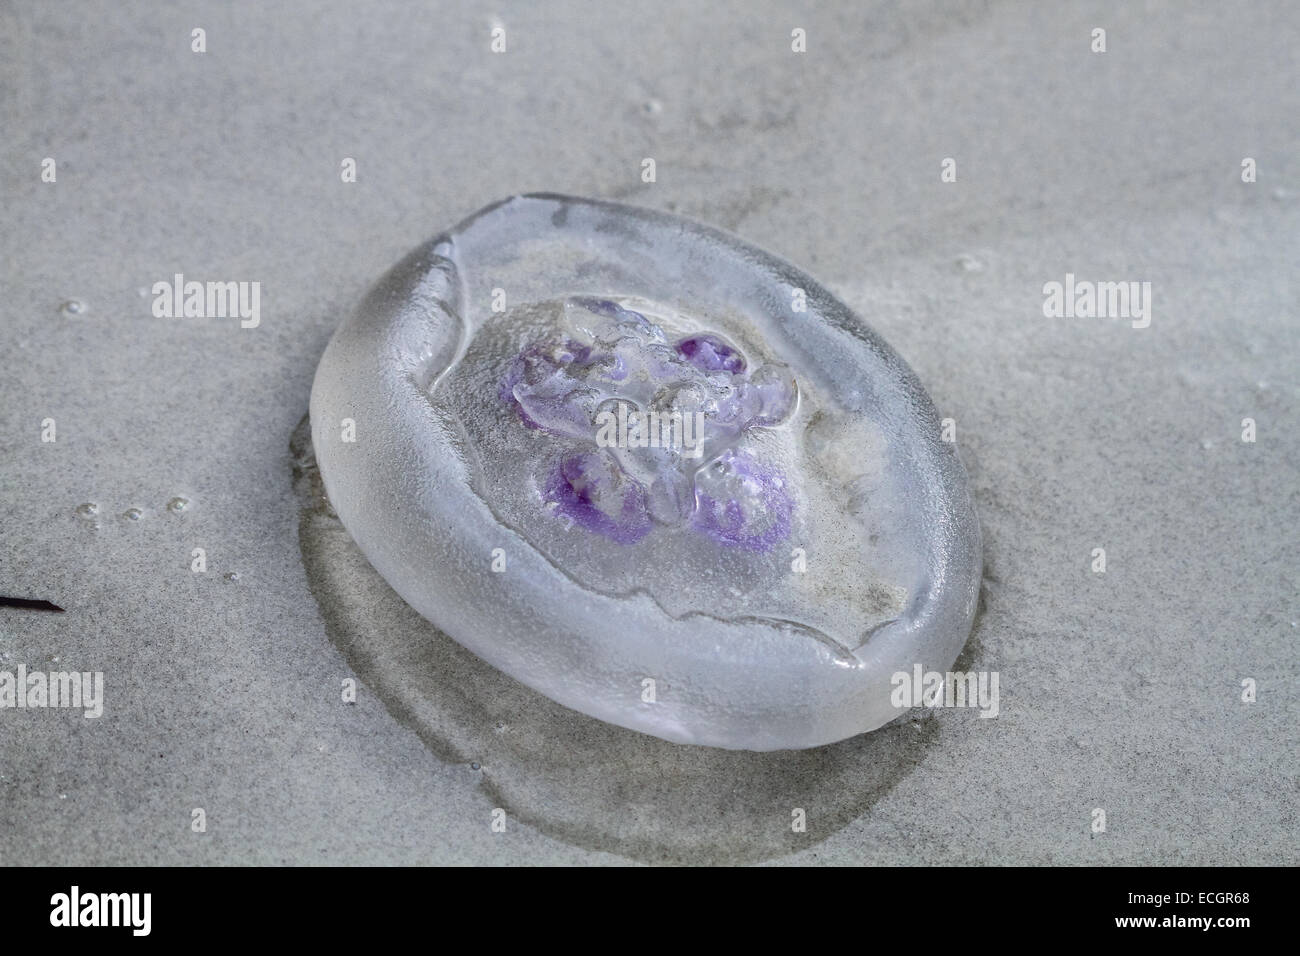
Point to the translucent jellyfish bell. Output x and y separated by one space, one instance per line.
650 471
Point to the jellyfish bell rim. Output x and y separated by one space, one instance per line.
743 685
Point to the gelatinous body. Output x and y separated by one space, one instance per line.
615 454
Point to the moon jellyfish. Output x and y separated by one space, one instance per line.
652 472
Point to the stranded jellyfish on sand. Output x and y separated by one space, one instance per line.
597 444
